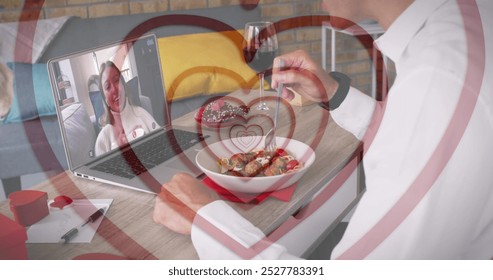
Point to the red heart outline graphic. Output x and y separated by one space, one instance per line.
131 247
24 51
246 138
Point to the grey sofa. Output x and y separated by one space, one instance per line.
35 146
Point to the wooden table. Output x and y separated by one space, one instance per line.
128 229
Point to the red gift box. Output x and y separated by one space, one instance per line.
12 240
29 206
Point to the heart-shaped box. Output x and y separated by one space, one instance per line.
29 206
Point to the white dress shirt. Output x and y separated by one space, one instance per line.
428 155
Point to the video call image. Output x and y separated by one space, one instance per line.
109 97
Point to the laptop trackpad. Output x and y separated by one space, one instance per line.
164 172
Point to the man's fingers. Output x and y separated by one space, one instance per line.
287 94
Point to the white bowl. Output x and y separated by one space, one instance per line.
207 161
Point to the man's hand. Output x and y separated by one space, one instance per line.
178 202
304 76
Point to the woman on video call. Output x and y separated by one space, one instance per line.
122 121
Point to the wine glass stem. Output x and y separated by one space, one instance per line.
262 105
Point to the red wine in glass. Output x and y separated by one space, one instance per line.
259 50
259 61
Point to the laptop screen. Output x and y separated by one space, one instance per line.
99 113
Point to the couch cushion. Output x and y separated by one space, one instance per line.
32 93
204 63
28 147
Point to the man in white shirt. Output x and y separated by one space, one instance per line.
428 146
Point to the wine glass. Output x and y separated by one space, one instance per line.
259 50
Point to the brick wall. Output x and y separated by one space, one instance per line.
351 57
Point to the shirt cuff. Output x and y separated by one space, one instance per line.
219 232
355 112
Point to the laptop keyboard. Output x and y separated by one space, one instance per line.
150 153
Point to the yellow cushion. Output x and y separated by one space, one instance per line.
204 63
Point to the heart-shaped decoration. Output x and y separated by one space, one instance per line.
61 201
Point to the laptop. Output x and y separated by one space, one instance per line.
149 157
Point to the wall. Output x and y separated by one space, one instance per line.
351 57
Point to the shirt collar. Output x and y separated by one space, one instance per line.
395 40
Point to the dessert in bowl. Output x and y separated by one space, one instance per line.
209 161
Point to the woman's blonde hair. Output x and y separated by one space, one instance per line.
106 117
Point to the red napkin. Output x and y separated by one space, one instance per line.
284 194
